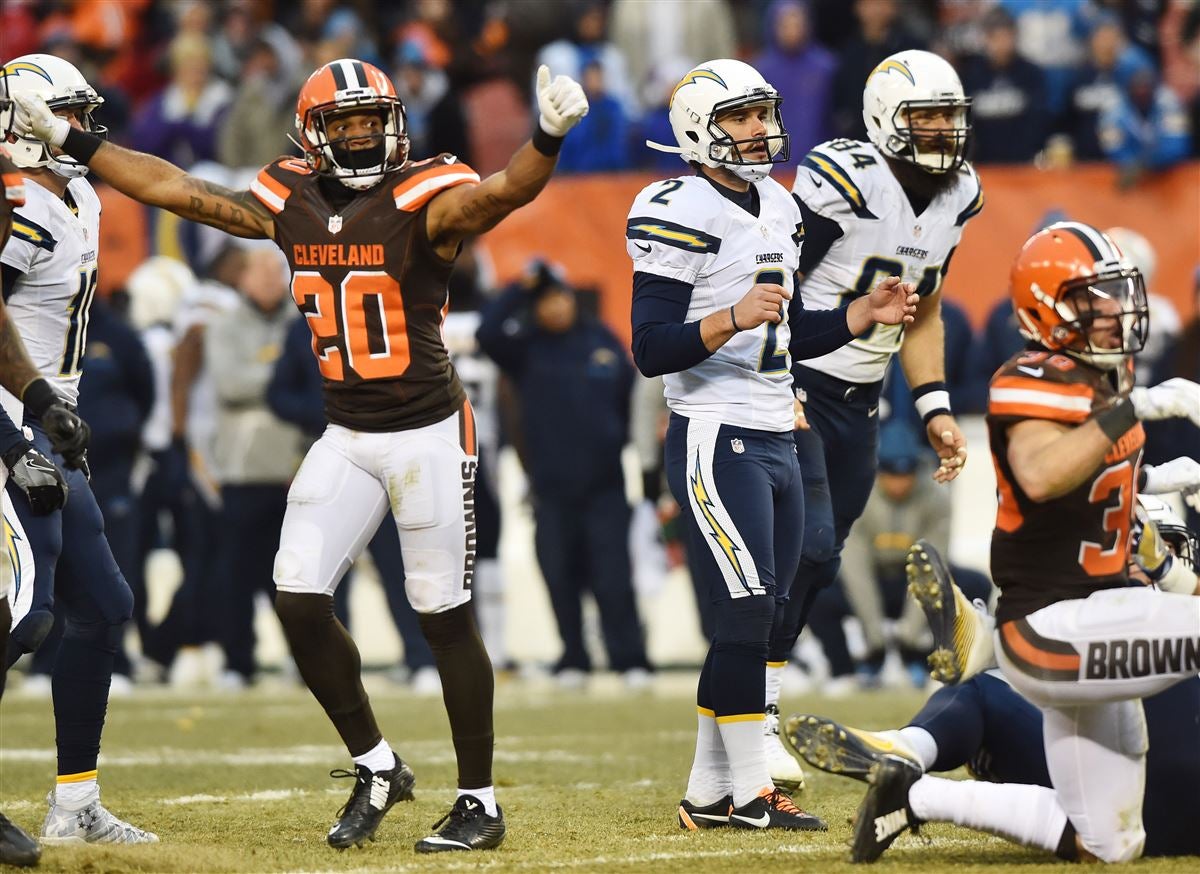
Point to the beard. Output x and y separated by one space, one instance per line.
921 183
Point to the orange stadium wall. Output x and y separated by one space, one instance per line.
580 223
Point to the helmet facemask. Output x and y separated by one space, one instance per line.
358 168
932 147
7 109
735 154
80 105
1105 318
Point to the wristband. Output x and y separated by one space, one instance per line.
81 145
733 319
1117 420
931 399
39 397
545 143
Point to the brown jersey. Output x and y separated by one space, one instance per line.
1078 543
373 290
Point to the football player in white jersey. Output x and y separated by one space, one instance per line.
49 271
17 372
894 205
714 311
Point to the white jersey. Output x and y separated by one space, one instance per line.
848 182
55 251
684 229
477 373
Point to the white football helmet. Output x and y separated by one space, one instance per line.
63 88
156 289
7 113
911 80
1137 249
1173 530
709 90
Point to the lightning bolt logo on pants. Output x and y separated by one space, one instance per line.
11 555
731 549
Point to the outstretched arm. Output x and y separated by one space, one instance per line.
145 178
467 210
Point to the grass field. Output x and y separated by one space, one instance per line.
589 782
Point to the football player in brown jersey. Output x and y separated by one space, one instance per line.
1073 636
371 236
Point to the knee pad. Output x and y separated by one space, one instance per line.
29 634
451 627
1122 846
299 611
744 625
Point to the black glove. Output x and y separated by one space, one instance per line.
69 434
38 477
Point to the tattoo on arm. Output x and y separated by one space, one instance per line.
235 212
483 209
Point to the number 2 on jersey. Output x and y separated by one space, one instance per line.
772 359
366 298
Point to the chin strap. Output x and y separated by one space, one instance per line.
659 147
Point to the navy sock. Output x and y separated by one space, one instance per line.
79 686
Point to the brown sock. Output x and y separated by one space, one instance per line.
467 688
330 665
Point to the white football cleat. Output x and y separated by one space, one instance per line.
785 770
90 824
962 631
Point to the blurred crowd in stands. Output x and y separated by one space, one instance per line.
202 391
1052 80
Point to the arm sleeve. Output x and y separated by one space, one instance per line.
816 332
663 341
10 434
8 279
820 233
502 332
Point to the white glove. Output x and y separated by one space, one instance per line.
1177 475
562 102
35 120
1175 398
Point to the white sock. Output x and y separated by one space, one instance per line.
76 794
922 743
709 779
381 758
1029 815
743 739
486 796
774 681
488 596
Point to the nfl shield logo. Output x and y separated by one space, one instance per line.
335 224
738 446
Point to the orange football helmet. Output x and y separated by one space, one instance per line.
1073 291
348 86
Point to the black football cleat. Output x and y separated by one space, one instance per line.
374 794
884 814
466 827
16 847
774 809
716 815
